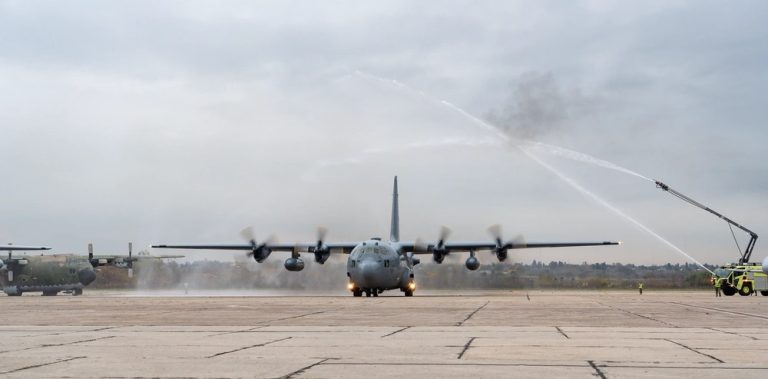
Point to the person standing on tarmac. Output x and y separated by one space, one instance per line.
640 288
717 287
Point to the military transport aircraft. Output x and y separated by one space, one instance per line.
51 274
374 265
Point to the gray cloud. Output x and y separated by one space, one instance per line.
184 122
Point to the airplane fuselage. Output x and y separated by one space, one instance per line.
49 274
374 266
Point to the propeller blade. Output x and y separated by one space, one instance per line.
321 232
248 235
495 231
444 232
518 242
420 245
130 259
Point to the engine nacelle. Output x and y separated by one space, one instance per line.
260 254
472 263
322 255
765 265
294 264
438 256
501 254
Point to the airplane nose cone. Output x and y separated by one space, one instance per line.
86 276
368 271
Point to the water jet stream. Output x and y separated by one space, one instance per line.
526 146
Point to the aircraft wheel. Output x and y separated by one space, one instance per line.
77 292
408 293
375 293
367 293
746 290
50 293
15 294
764 293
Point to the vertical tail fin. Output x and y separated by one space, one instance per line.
394 234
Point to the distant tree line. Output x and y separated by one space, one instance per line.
246 274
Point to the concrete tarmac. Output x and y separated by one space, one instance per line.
479 334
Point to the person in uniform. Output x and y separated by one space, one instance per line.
640 288
717 287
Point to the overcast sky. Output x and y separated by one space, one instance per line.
183 122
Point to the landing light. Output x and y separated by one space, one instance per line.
350 286
412 286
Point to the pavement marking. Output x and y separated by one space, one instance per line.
41 365
303 369
694 350
395 332
460 323
562 332
248 347
597 370
466 347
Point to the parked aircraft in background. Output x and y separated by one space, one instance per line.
51 274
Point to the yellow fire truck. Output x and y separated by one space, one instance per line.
743 277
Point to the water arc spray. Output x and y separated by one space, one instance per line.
527 146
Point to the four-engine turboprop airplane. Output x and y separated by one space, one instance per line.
51 274
374 266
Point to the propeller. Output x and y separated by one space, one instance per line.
501 248
130 259
259 252
321 251
7 266
439 251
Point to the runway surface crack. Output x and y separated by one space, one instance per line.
40 365
303 369
238 331
466 347
721 310
694 350
57 344
460 323
734 333
248 347
598 372
562 332
293 317
638 315
395 332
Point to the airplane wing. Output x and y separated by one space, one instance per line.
124 258
16 247
334 247
245 247
429 248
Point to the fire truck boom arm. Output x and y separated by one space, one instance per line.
753 236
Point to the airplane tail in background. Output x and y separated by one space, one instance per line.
394 234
